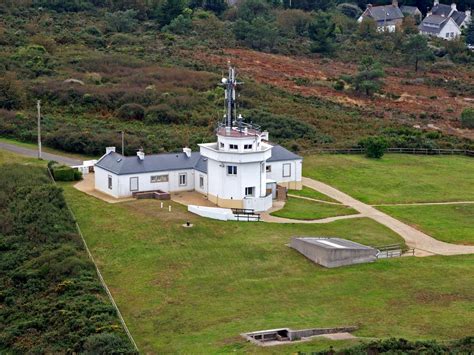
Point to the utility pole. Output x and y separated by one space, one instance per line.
38 105
123 145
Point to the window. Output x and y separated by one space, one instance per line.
158 178
247 146
182 179
134 184
201 181
249 191
287 170
110 182
222 145
268 168
231 170
447 34
233 146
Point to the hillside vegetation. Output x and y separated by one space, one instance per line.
152 70
51 300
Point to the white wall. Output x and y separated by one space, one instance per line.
450 27
197 175
277 170
101 182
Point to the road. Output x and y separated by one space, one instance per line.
34 153
423 243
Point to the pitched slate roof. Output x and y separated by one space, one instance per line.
384 13
458 17
120 165
279 154
411 10
441 10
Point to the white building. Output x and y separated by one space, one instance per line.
445 21
240 170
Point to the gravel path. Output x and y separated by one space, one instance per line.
34 153
423 243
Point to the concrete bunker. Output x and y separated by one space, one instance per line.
285 335
333 252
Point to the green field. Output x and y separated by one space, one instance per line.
449 223
297 208
308 192
195 290
396 178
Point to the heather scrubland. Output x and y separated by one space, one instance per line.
149 68
51 300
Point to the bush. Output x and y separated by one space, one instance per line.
106 343
375 147
467 118
64 173
131 112
163 113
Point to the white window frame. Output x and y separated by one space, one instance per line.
251 188
289 170
155 179
185 183
130 183
109 182
232 171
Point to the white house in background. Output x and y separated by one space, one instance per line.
240 170
387 17
445 21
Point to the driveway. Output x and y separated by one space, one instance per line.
423 243
34 153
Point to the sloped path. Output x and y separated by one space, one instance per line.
34 153
423 243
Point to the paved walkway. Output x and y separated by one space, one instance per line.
34 153
423 243
87 185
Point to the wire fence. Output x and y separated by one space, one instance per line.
418 151
99 274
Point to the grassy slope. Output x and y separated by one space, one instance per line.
297 208
308 192
450 223
396 178
194 290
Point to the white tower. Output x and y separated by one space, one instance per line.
236 162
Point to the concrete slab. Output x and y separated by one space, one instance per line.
87 185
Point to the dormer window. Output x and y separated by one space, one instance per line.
233 146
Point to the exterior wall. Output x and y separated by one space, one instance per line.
294 180
197 187
450 28
101 182
222 202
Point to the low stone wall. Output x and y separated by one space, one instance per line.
157 195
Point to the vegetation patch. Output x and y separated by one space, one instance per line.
309 192
298 208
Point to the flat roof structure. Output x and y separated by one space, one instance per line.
333 252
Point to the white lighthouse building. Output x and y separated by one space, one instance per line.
241 170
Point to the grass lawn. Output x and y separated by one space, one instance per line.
195 290
396 178
297 208
46 149
308 192
449 223
7 157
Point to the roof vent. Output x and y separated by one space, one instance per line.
119 160
141 154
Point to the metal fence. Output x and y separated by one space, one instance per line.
420 151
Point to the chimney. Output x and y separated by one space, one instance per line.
453 7
395 3
369 6
435 3
187 151
141 154
264 136
468 16
109 150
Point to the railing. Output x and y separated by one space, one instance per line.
393 251
423 151
247 217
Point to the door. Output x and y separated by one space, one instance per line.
134 184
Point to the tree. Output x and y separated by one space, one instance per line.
467 118
122 21
258 34
350 10
368 79
11 93
367 29
322 32
470 34
409 26
249 10
375 147
35 58
168 10
416 50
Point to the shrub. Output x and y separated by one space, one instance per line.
339 85
63 173
375 147
163 113
131 112
467 118
122 21
11 92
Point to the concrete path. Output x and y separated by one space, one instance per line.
34 153
266 217
423 243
